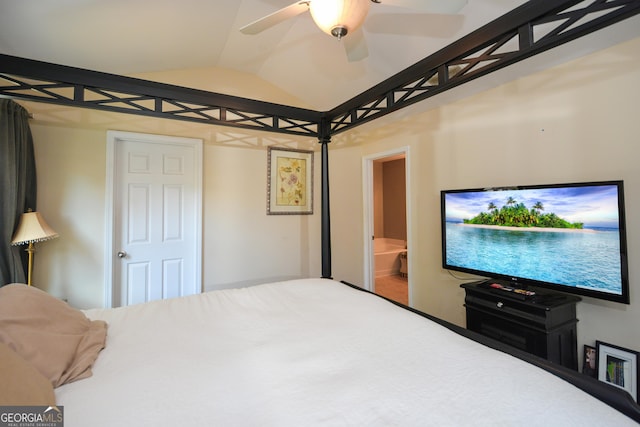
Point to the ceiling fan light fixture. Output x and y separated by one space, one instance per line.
339 17
339 32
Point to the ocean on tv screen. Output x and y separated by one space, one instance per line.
561 235
588 260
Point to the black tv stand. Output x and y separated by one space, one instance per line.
541 323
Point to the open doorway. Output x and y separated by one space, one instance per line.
387 228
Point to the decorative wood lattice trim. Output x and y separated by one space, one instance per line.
38 81
535 27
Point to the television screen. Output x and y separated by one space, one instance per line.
567 237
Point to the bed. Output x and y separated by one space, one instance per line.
303 352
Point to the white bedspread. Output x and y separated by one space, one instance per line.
308 353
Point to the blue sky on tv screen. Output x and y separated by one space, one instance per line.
594 206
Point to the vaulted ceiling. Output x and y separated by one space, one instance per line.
128 37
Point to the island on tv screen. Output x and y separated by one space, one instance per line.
567 235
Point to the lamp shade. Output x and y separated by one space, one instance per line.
31 229
339 17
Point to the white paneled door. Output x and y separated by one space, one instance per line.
156 205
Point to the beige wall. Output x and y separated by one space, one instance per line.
395 199
389 199
378 199
241 244
577 122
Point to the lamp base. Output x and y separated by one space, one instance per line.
30 250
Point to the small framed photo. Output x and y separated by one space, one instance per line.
289 182
589 361
618 366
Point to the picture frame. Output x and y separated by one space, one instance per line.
589 366
289 181
618 366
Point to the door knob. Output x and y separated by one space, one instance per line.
122 254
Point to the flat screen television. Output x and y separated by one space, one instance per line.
564 237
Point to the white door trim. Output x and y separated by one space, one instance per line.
113 137
367 180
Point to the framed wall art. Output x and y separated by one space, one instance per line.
589 361
289 181
618 366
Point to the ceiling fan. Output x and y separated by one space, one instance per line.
341 17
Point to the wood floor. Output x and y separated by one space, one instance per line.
393 287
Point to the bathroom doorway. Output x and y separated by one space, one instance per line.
387 248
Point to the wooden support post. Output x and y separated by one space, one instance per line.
325 139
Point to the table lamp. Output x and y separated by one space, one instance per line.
31 229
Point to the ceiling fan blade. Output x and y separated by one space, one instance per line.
276 17
429 6
355 45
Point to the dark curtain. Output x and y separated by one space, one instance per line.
18 189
